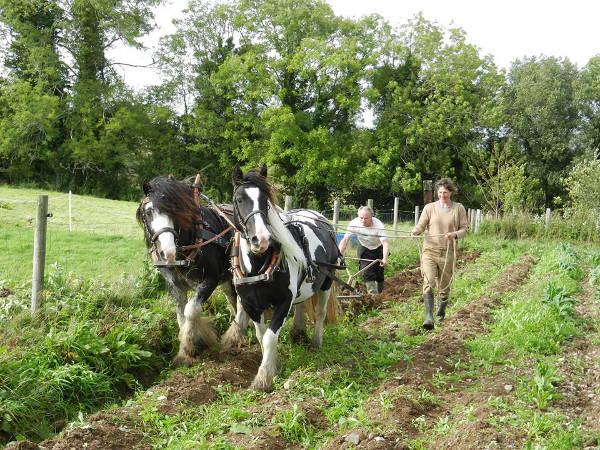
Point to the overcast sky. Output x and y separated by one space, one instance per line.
508 29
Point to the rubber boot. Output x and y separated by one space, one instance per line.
371 287
428 323
441 312
380 286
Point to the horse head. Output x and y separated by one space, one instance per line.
252 199
160 214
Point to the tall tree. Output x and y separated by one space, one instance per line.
276 82
31 119
434 88
543 115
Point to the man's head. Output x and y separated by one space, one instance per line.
365 214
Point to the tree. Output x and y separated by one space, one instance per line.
276 82
31 122
543 116
434 90
589 98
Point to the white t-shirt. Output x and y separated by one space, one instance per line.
370 237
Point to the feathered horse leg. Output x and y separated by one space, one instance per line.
197 331
320 313
234 336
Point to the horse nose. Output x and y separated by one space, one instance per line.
255 242
170 257
258 245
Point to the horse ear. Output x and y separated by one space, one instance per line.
146 187
237 177
263 171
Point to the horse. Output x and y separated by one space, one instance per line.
176 226
279 260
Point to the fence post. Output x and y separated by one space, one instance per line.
370 203
288 202
39 253
416 215
547 221
396 203
477 221
472 219
70 215
336 213
427 191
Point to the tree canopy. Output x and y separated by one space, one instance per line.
286 83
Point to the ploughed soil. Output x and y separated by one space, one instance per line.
401 420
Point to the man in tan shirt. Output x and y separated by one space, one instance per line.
445 222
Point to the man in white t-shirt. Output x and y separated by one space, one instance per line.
372 244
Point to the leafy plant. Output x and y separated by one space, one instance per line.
558 298
293 425
541 387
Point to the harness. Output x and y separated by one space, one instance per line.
270 267
240 278
203 235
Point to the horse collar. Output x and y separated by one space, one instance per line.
239 277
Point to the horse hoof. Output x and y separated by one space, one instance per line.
299 337
261 386
184 361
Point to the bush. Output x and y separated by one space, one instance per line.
523 226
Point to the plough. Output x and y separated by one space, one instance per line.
352 278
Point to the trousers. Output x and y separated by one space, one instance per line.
437 266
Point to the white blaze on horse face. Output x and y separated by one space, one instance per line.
166 241
260 241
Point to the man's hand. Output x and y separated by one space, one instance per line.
451 235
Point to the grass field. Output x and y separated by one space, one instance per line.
105 241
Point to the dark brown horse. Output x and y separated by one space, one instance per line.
189 243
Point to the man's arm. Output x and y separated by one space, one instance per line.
344 242
386 252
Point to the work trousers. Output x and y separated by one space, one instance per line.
437 266
375 272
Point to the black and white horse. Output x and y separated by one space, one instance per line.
272 263
188 243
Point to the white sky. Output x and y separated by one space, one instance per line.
508 29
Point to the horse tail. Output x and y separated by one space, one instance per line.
334 308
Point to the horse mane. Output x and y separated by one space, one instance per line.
281 234
174 198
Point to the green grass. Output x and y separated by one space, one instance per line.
105 243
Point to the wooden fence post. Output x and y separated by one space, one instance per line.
288 202
427 191
370 203
39 253
336 213
547 220
416 215
477 221
396 203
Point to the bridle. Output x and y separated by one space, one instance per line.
243 221
270 267
203 237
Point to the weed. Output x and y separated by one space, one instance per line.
293 425
541 387
559 298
